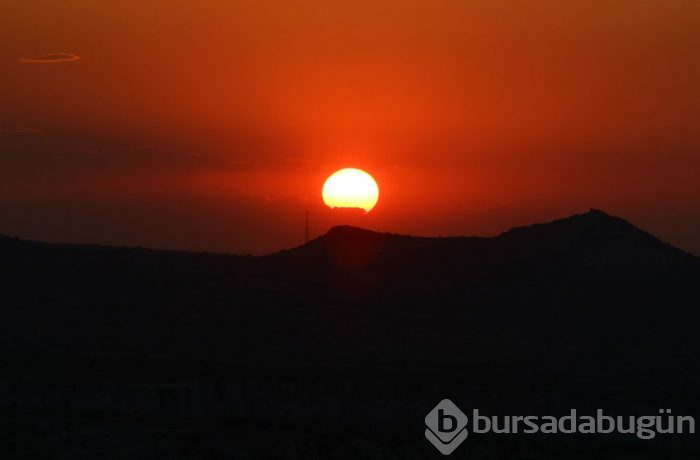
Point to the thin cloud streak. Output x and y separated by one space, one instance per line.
20 130
51 58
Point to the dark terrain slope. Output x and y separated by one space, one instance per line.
354 333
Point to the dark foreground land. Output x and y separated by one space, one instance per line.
339 348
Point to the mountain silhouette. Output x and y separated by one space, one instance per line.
354 332
354 291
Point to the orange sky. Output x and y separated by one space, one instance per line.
212 125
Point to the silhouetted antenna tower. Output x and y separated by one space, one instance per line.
306 229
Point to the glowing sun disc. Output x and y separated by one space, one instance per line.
350 188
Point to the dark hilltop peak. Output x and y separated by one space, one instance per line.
594 223
593 212
592 232
592 226
344 239
349 231
594 229
597 217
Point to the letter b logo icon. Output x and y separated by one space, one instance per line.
446 427
441 422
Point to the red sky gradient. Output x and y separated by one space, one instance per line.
212 125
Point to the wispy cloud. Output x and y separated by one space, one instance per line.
51 58
20 130
22 156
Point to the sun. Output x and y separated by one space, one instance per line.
350 188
